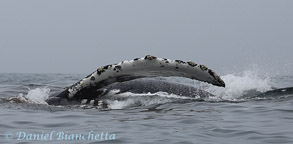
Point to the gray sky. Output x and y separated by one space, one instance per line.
69 36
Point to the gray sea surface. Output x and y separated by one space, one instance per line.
233 118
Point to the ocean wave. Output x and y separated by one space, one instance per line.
240 87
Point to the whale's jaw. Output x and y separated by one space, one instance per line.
146 67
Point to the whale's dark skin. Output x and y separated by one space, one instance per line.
134 86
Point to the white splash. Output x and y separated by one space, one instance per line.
239 84
34 96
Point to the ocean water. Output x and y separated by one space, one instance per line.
236 115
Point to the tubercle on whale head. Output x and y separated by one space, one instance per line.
150 57
219 82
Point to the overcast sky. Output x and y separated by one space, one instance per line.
69 36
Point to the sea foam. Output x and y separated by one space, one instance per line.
35 96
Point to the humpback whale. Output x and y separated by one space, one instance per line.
132 76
